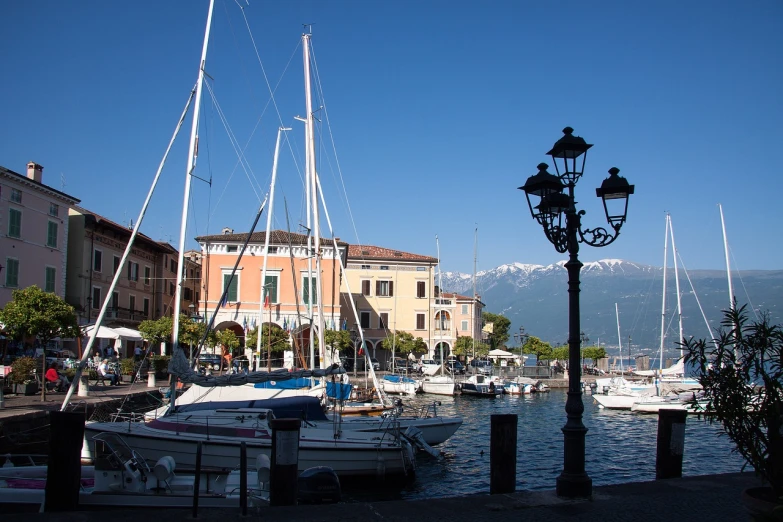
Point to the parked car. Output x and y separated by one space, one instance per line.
455 367
209 359
482 366
348 364
401 364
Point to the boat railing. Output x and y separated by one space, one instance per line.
22 459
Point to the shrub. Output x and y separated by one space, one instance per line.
127 366
22 369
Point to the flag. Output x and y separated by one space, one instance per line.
361 350
254 323
266 301
285 324
345 323
224 302
244 324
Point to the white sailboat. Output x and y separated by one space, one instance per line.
439 384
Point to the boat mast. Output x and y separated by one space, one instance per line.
620 340
475 295
309 168
726 253
191 166
677 285
264 290
440 313
663 300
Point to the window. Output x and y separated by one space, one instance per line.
14 223
464 309
365 267
442 321
133 271
384 288
147 274
51 274
270 289
421 289
96 298
51 235
384 267
146 307
187 294
366 287
383 320
97 260
171 288
11 272
54 209
116 264
421 269
16 195
308 285
463 326
198 296
364 319
173 265
233 289
420 324
232 248
272 250
115 300
132 303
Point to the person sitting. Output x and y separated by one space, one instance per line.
106 373
52 375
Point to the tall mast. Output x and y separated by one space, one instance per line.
620 339
475 295
663 300
191 166
308 188
440 313
726 253
677 285
264 290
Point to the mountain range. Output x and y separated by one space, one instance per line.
536 297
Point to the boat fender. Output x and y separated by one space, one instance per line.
263 471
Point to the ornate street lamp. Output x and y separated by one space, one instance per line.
551 201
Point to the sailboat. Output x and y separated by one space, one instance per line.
439 384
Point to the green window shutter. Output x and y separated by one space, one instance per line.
14 223
51 273
12 273
306 291
231 296
51 236
270 289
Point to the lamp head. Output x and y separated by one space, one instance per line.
541 185
568 149
614 193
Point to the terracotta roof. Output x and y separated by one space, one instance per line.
121 228
369 252
278 237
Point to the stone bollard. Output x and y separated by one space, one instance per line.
151 382
285 462
84 386
671 443
503 454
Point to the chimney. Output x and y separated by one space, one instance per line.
34 171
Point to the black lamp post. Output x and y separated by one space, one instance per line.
354 339
553 200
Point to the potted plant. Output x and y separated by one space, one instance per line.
741 372
128 369
23 376
160 365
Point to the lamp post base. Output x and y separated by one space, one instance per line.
571 485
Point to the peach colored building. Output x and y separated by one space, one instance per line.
289 266
33 233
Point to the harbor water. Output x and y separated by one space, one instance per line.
620 447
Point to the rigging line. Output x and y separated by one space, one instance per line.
703 315
263 70
742 282
245 166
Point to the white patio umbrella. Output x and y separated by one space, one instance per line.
128 334
103 332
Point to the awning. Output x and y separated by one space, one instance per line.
128 334
500 353
102 333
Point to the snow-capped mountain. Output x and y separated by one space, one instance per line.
536 297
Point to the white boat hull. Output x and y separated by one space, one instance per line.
347 457
438 385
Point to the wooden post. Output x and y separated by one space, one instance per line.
63 477
503 454
284 461
671 443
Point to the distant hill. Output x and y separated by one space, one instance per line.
536 297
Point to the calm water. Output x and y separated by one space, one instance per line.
620 447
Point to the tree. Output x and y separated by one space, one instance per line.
274 339
404 343
535 346
464 345
190 331
594 353
43 315
158 331
228 341
561 353
338 340
500 326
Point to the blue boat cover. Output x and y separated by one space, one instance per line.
285 407
397 378
291 384
339 391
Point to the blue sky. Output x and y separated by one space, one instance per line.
437 112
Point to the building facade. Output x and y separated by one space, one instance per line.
33 233
283 298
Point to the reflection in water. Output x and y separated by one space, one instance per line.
621 447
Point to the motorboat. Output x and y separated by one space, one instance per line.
121 478
524 386
439 385
400 384
482 386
